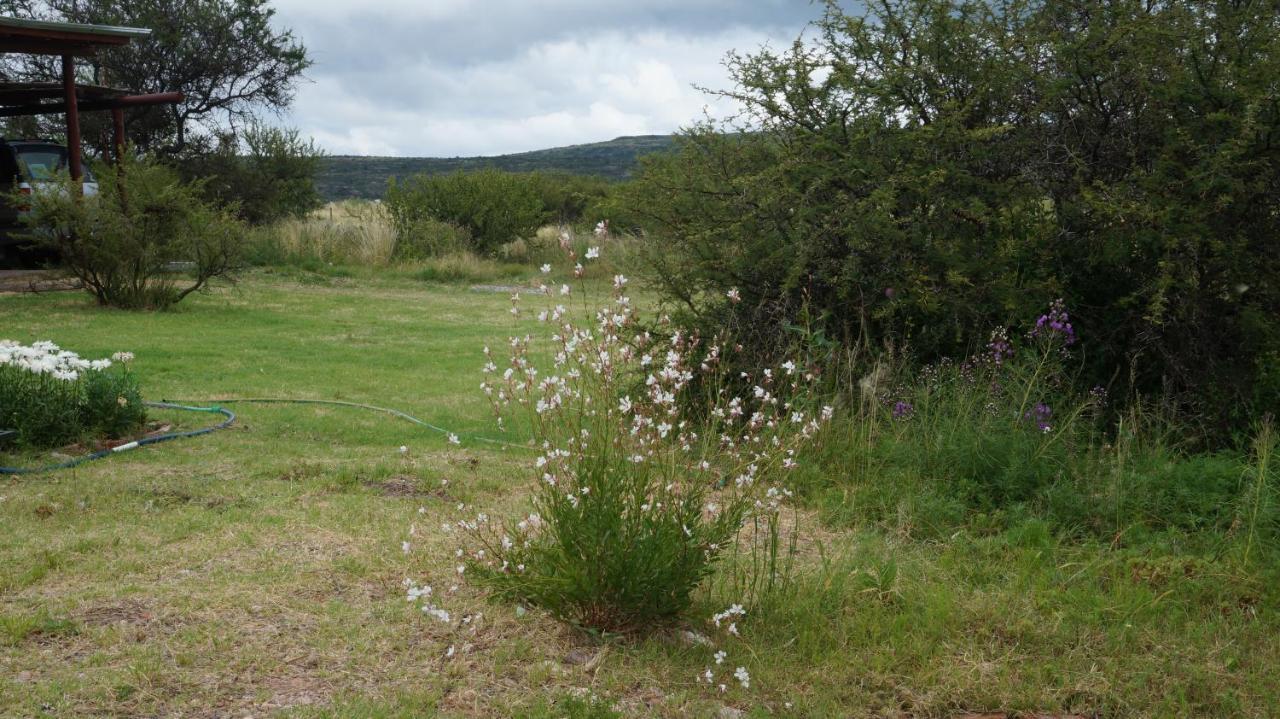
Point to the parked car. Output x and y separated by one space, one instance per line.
26 166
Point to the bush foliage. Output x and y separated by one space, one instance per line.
483 210
124 242
493 207
266 174
934 167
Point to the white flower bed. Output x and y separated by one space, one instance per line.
47 358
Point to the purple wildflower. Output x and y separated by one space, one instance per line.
998 347
1057 323
1099 395
1040 414
903 410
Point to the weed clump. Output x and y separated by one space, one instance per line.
1004 438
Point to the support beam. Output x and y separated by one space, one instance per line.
74 153
48 108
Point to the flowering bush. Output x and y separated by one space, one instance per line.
52 396
634 501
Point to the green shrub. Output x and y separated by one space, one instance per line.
566 197
428 237
265 174
494 207
914 178
125 242
52 397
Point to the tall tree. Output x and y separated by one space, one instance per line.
923 170
224 55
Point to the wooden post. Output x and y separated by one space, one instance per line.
73 117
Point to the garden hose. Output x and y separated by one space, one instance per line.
373 408
156 439
214 407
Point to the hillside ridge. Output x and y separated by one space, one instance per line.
366 176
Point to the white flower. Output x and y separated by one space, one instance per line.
735 610
733 295
404 449
743 677
546 269
564 289
720 656
453 439
593 253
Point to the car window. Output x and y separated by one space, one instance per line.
42 163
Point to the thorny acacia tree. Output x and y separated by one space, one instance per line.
924 170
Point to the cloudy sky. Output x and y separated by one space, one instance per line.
484 77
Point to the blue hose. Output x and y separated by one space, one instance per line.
157 439
231 418
373 408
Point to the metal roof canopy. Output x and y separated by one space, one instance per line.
70 40
43 37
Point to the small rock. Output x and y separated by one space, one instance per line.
580 655
694 638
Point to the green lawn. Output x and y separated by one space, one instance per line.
258 571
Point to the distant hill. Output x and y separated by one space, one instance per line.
346 176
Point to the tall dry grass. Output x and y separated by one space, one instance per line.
348 232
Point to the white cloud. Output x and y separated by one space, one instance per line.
458 77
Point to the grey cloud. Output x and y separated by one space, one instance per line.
465 77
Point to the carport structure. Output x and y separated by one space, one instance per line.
69 41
